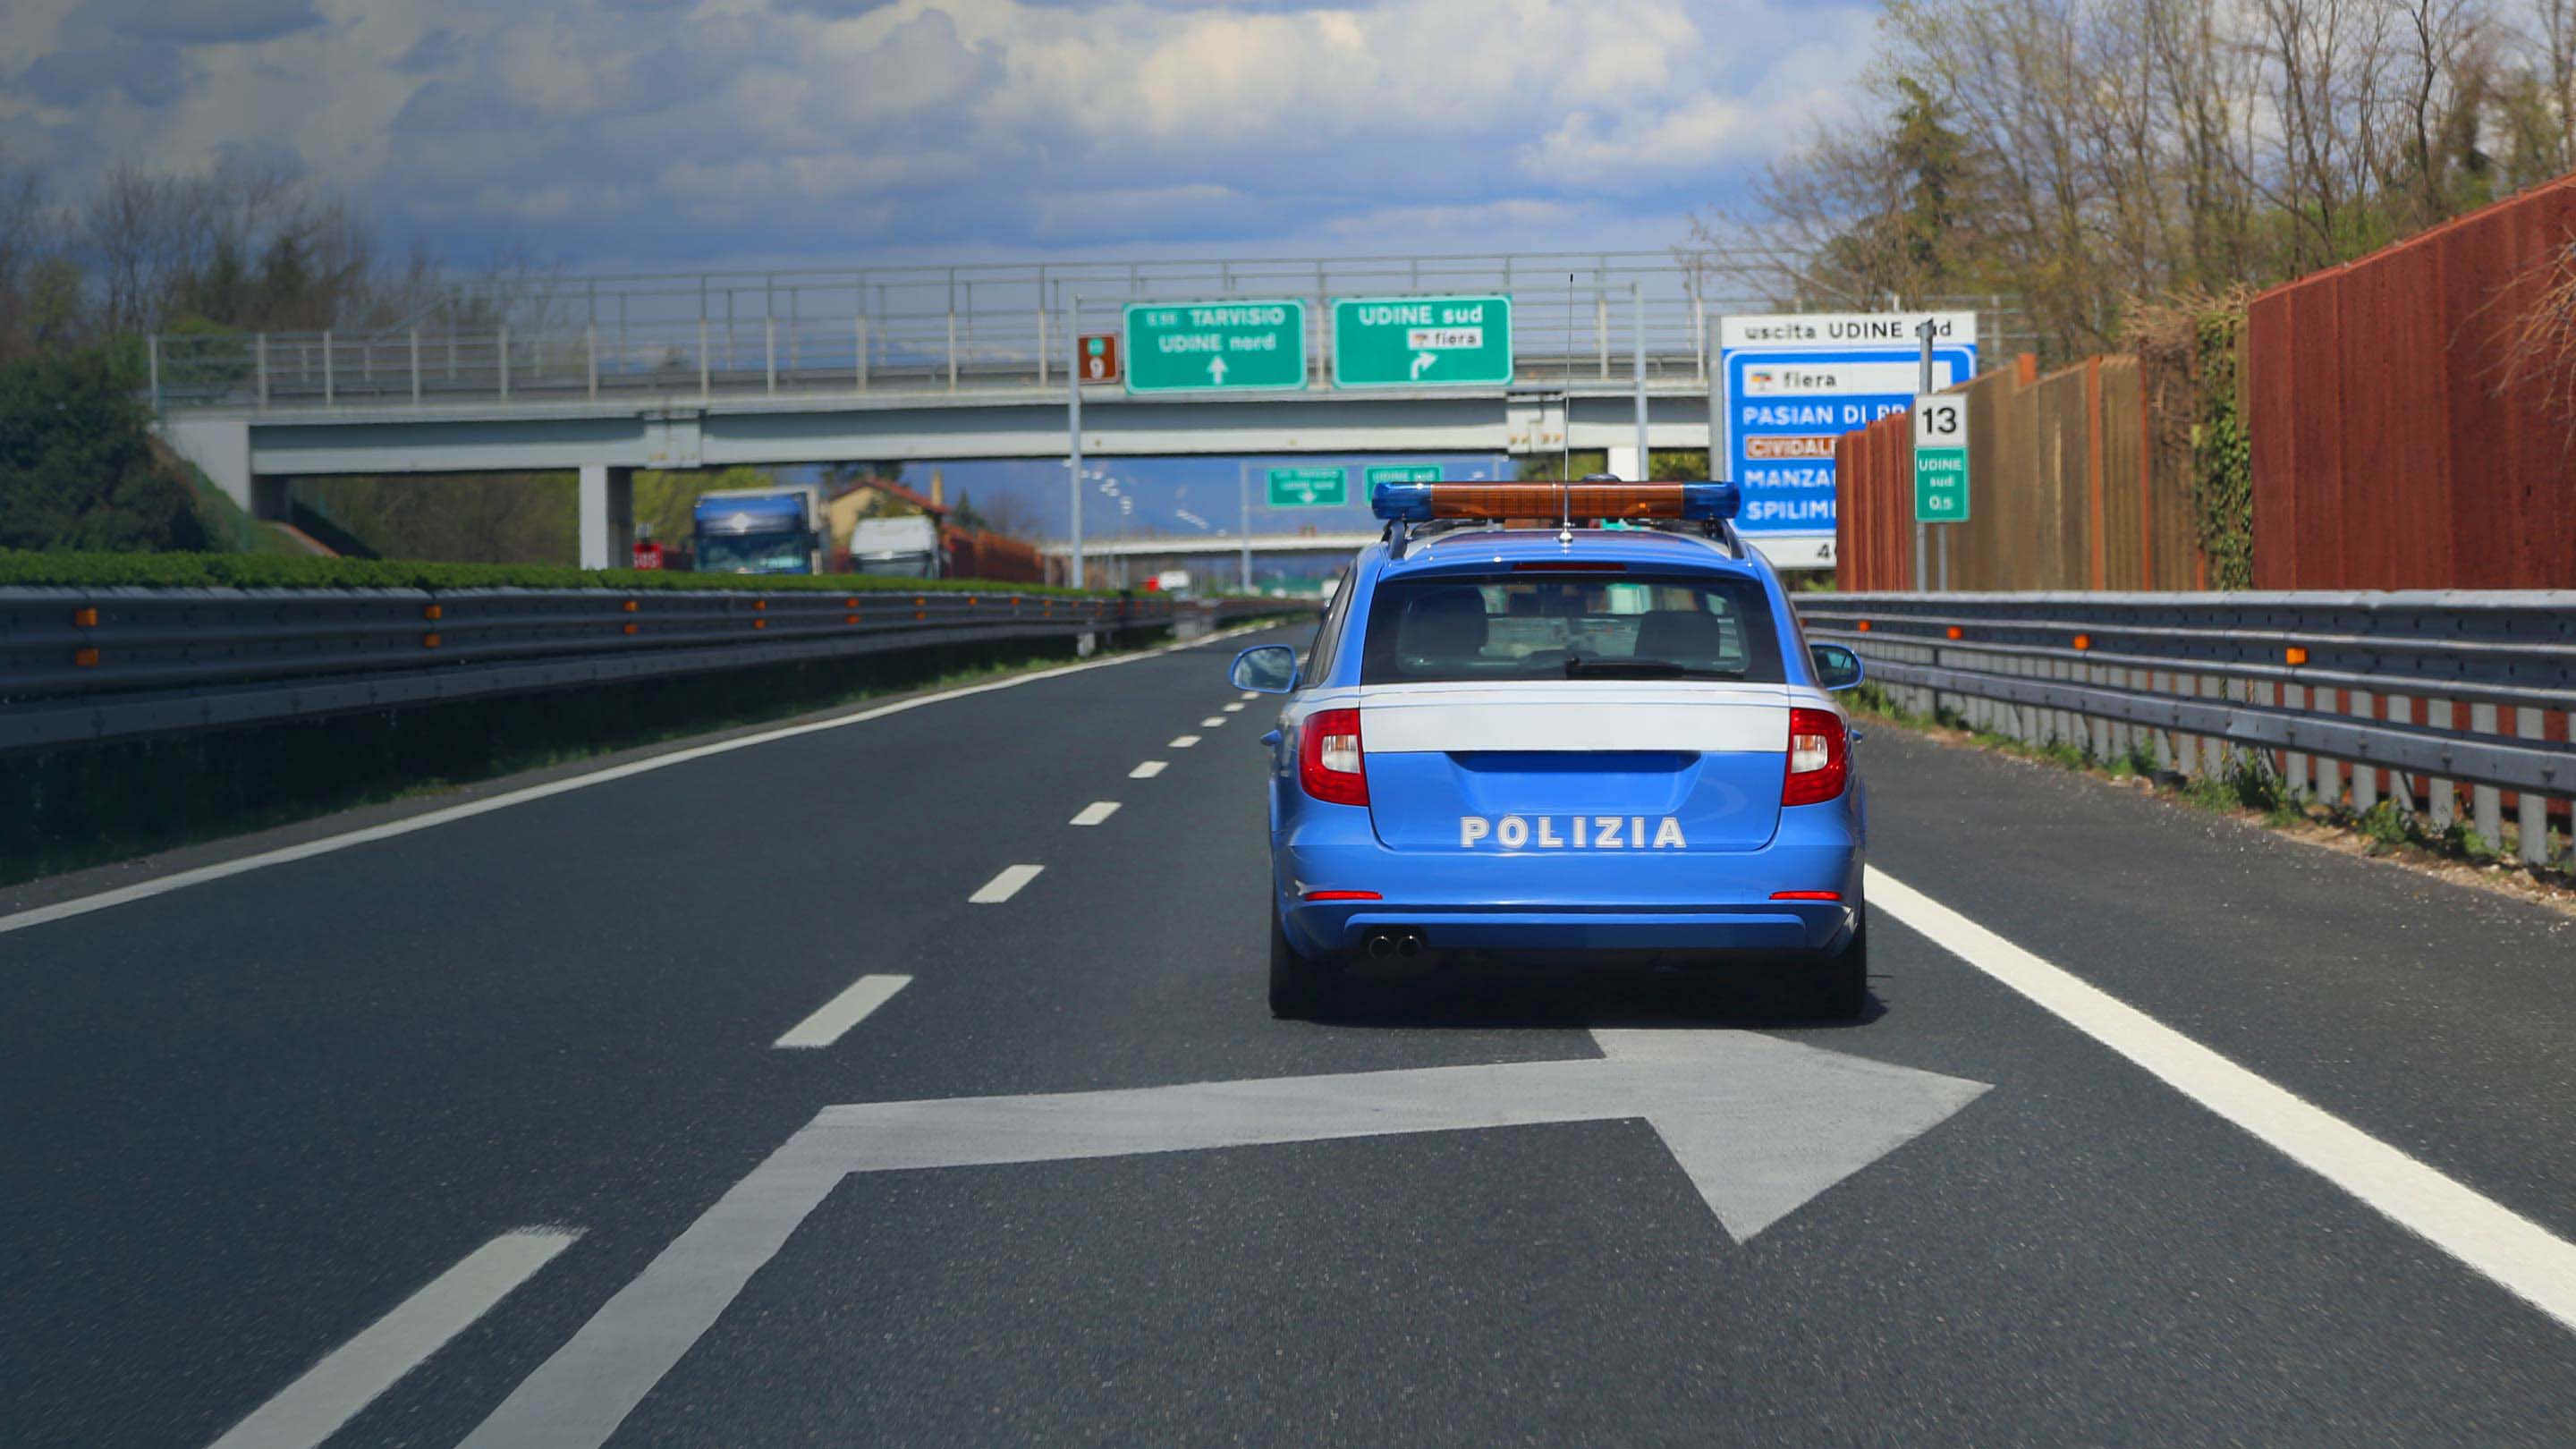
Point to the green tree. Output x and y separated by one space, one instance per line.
76 468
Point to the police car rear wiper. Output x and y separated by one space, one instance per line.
1627 668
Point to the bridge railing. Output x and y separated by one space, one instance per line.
2407 696
82 666
1577 320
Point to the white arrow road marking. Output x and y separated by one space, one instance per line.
1004 886
1759 1125
2524 1257
330 1393
1422 360
1216 369
834 1018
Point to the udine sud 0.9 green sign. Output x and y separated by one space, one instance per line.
1422 341
1225 346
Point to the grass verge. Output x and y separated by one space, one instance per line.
72 809
2249 789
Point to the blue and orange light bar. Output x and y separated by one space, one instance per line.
1423 502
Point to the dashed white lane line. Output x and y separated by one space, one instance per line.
1004 886
1251 694
2519 1254
835 1017
330 1393
1182 742
1146 771
1095 812
1211 722
180 880
1236 707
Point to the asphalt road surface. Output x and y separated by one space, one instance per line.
580 1119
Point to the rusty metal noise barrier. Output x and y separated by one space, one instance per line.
2412 693
91 665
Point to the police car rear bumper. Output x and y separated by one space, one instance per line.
1570 902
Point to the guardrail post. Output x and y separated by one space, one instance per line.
2534 810
952 345
326 368
260 352
2486 802
704 379
504 348
2400 711
2295 696
1042 337
2441 798
152 366
2365 778
415 366
590 357
863 351
2329 769
769 354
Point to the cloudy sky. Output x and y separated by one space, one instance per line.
649 133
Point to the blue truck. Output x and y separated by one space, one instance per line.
759 530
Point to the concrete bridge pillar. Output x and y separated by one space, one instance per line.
1624 462
607 529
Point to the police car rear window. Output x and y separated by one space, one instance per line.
1522 627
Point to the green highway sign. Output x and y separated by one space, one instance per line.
1941 459
1422 341
1309 487
1215 346
1403 473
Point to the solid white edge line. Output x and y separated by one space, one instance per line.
834 1018
350 1377
1182 742
1146 771
2521 1256
1095 812
180 880
1004 886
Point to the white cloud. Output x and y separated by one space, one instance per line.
716 128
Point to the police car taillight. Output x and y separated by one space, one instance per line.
1330 763
1819 757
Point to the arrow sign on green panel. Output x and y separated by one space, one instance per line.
1309 487
1422 341
1215 346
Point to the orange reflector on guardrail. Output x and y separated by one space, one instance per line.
432 611
630 606
849 603
428 641
1955 632
2295 655
85 659
84 618
759 605
850 619
760 623
628 628
1861 624
2083 641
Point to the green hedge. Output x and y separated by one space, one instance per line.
274 571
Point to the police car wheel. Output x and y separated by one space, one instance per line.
1299 989
1836 986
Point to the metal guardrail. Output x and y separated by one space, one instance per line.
948 329
91 665
2411 694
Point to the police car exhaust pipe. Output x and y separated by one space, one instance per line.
1391 941
1380 944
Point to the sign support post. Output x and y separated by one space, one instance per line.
1923 385
1637 322
1243 515
1073 423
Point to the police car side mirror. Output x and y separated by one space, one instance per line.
1836 667
1265 669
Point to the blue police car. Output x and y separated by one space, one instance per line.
1562 718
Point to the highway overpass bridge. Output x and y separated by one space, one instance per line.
607 375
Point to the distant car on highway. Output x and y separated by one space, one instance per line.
1519 730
